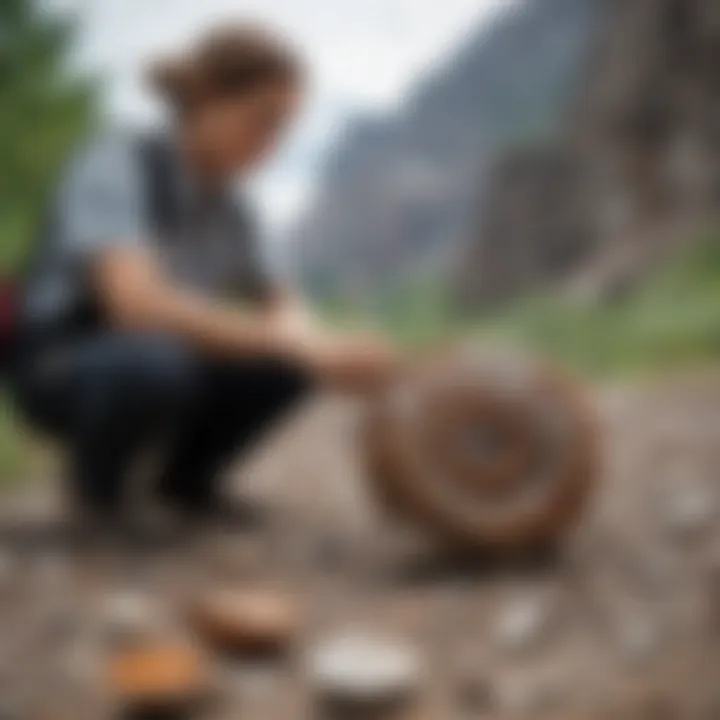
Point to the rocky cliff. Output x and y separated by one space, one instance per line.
533 224
399 194
643 141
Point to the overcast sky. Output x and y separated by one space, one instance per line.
364 54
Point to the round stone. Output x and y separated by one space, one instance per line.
488 452
245 621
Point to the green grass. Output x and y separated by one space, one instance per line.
672 320
22 458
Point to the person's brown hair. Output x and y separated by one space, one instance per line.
228 61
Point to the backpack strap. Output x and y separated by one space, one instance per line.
161 183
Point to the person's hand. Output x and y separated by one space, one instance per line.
348 362
294 319
355 363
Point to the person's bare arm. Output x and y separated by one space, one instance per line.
135 295
290 308
355 360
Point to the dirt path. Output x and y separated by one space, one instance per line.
625 623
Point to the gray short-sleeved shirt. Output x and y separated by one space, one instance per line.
106 198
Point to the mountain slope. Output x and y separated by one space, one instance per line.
398 193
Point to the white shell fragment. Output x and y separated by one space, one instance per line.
523 623
128 615
639 639
357 668
688 513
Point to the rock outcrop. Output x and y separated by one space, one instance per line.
568 146
398 196
643 139
534 222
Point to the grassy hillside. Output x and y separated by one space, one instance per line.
671 321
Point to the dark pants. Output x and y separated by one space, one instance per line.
110 396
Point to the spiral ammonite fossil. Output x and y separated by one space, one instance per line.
486 449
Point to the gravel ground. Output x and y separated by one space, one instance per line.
624 622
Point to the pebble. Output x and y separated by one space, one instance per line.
523 623
688 513
237 621
129 615
362 669
639 640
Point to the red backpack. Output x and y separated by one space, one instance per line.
9 302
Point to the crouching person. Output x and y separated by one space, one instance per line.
131 325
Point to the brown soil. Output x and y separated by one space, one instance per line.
633 629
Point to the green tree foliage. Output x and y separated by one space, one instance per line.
44 107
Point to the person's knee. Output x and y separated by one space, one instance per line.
283 381
291 381
156 371
275 380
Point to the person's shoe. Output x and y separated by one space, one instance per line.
226 512
90 527
98 525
